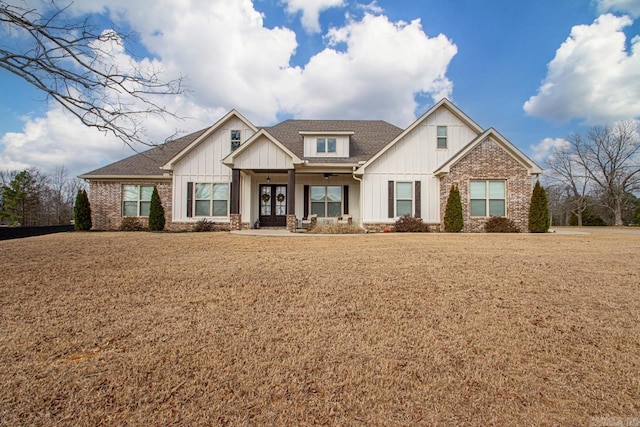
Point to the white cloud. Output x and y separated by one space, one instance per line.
311 11
372 7
542 150
370 68
632 7
592 76
373 68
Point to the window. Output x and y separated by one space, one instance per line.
487 198
442 137
326 201
136 200
404 198
236 139
321 146
212 199
331 145
326 145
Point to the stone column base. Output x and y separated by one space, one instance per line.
235 222
291 223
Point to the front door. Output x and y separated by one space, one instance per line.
273 205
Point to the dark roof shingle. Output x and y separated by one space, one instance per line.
147 163
369 137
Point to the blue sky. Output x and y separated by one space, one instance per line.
535 71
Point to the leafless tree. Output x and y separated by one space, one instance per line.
611 157
564 170
83 69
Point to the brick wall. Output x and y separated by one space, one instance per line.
105 198
488 160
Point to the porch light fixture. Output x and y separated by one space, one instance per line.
327 175
268 180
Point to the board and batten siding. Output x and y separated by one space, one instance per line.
263 154
414 158
202 164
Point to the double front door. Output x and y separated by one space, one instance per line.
273 205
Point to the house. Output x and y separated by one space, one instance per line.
240 175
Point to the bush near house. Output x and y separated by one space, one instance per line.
539 210
82 212
453 220
499 224
410 224
156 212
335 228
130 224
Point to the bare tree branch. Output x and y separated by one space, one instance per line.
85 70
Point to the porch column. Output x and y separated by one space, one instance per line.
291 200
235 217
235 191
291 192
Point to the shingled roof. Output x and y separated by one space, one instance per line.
147 163
369 137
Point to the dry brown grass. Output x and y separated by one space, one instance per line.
218 329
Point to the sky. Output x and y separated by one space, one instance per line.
536 71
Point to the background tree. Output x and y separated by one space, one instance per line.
81 68
82 212
31 197
611 157
156 212
570 176
538 210
20 200
453 219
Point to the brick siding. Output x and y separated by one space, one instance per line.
486 161
105 198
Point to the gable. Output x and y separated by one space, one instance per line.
416 150
418 140
218 135
499 141
262 151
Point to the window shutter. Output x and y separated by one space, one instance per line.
418 200
345 200
306 202
391 199
189 199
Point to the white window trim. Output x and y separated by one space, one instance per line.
446 138
211 200
138 201
326 200
487 198
326 146
239 141
395 195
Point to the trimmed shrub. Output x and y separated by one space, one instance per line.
410 224
204 225
335 228
156 212
82 212
498 224
539 210
453 220
130 223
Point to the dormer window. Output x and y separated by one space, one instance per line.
236 139
326 145
333 143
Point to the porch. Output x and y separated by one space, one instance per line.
291 199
